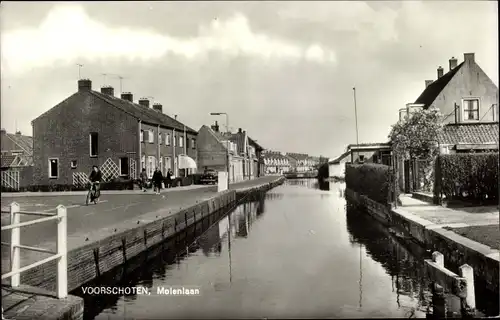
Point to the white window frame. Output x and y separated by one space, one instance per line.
120 167
90 145
150 169
143 162
464 119
142 136
75 165
167 139
57 174
160 138
167 164
193 143
181 141
160 163
151 136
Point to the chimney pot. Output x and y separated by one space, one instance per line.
215 127
440 72
110 91
453 63
84 85
239 130
469 57
128 96
428 83
144 102
158 107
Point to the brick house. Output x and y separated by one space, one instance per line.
255 154
468 100
16 160
215 146
120 136
300 162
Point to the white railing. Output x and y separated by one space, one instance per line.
15 246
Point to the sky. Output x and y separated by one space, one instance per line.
282 71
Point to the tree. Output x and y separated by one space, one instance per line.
416 138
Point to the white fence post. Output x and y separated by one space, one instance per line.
438 258
62 250
15 241
467 273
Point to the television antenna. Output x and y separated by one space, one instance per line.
80 66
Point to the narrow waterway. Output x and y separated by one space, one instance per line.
300 251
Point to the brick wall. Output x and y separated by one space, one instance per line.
63 133
211 153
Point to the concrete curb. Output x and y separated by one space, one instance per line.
456 248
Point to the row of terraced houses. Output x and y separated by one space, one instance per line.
467 98
277 162
122 137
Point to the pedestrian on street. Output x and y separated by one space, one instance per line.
143 180
157 180
169 178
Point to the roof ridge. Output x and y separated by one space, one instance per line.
13 140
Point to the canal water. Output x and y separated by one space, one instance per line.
299 251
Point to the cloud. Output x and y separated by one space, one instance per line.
68 34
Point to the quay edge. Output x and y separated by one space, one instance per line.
456 249
89 261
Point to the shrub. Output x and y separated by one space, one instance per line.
472 177
372 180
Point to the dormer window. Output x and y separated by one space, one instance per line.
470 107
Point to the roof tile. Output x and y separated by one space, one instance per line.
474 133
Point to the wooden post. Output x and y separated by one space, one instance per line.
62 251
15 241
438 258
467 273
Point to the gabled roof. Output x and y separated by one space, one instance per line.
434 89
142 113
25 143
257 146
298 156
470 133
340 158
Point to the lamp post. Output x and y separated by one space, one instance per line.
356 118
227 141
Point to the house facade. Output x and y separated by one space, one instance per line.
116 134
215 147
468 100
276 162
16 160
380 153
336 166
301 162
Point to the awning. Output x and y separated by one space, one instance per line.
186 162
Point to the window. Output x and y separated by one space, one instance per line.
193 143
53 168
375 158
361 158
160 163
168 164
151 166
471 109
175 140
142 135
73 164
143 162
93 146
151 137
167 139
160 138
181 142
187 143
124 167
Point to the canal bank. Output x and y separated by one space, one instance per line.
457 249
102 250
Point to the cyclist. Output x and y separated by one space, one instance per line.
95 178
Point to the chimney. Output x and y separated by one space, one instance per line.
110 91
18 133
469 57
453 63
144 102
158 107
215 127
128 96
84 85
3 131
440 72
239 130
428 83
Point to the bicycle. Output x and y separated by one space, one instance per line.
93 194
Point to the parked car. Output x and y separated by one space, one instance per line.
209 176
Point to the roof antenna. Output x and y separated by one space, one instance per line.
104 79
79 71
121 79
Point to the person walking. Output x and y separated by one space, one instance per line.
169 179
157 180
143 180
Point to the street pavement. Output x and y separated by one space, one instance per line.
111 210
